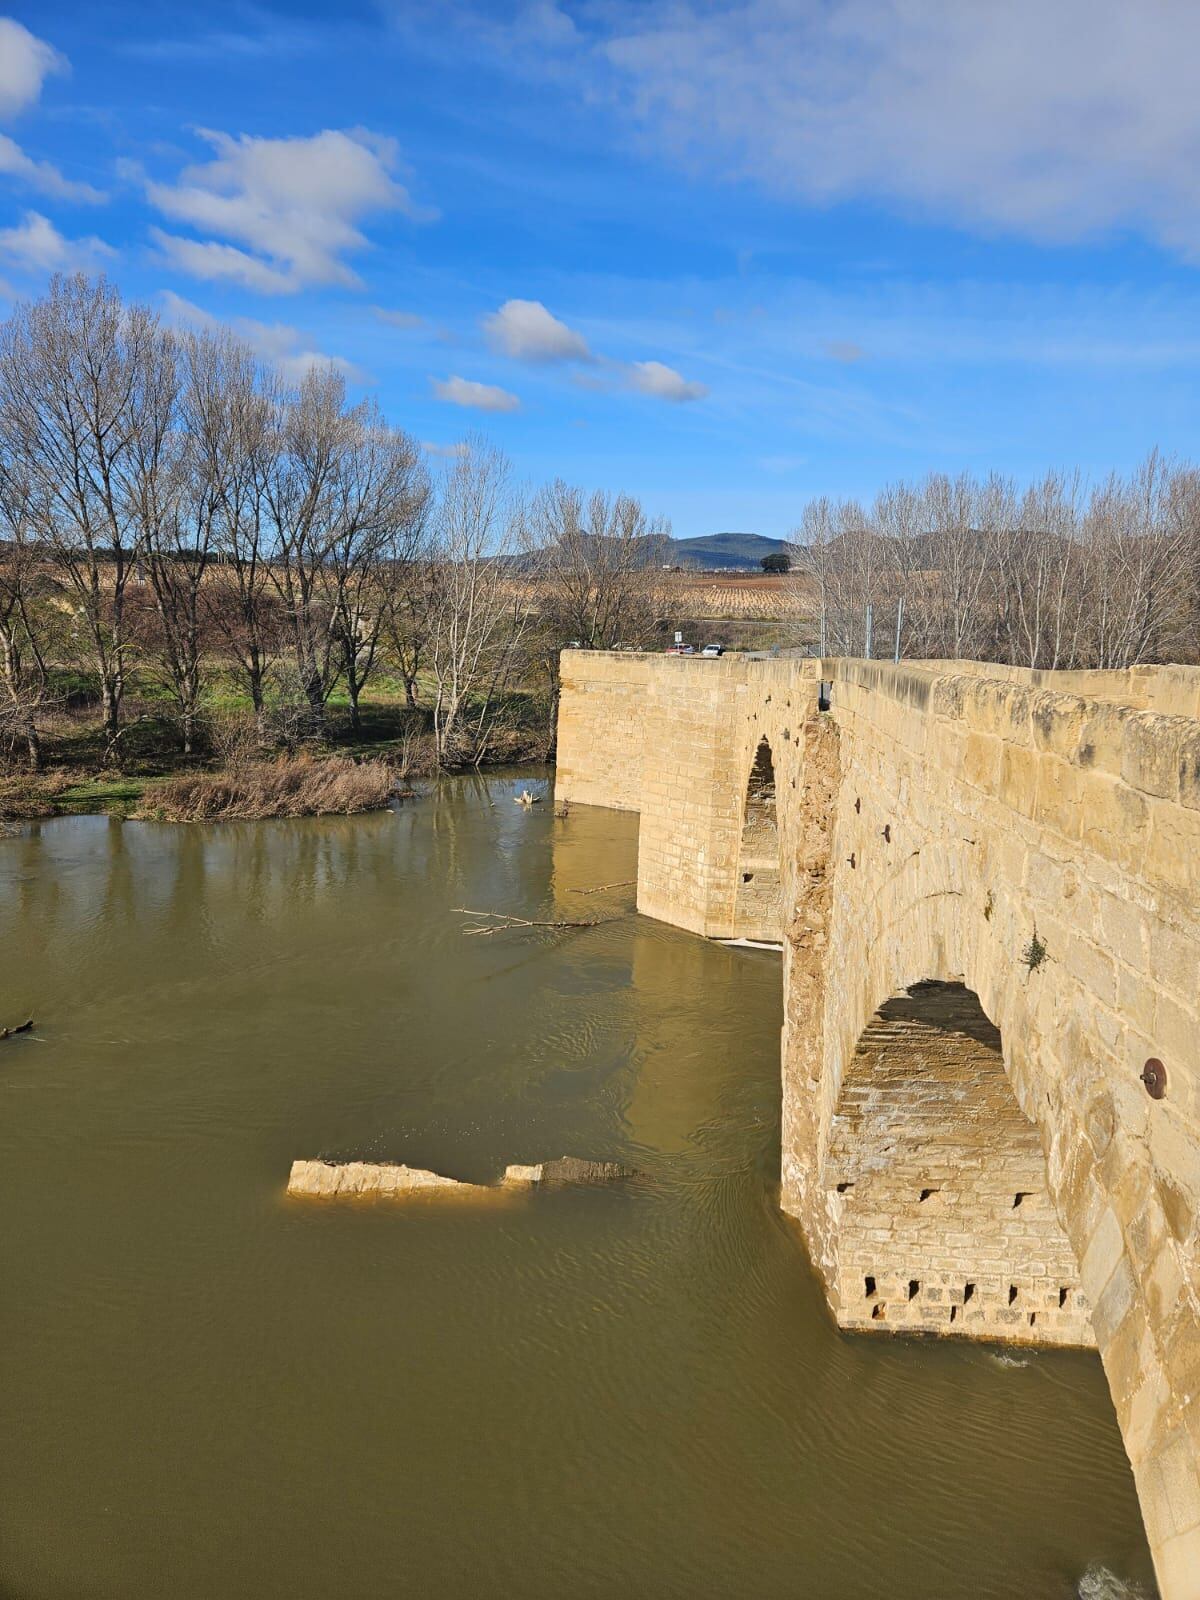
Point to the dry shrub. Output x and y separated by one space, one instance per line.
27 794
290 786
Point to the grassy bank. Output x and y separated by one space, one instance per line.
236 768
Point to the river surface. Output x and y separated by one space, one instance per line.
208 1392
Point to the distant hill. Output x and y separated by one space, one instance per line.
737 551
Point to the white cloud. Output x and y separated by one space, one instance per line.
1051 118
462 448
43 175
283 347
221 263
35 246
295 203
25 63
479 396
526 330
652 377
399 319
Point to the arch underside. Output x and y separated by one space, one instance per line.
758 910
942 1218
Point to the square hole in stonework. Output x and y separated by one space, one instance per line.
968 1292
1012 1293
1062 1297
869 1287
914 1288
1021 1194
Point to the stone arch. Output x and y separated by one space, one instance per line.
929 922
938 1185
758 910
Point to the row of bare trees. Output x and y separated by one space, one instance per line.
171 511
1058 575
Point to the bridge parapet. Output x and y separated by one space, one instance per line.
1031 837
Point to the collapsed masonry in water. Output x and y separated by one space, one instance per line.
334 1179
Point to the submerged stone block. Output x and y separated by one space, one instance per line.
330 1178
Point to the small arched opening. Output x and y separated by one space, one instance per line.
758 909
943 1217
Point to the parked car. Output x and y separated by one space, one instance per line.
681 650
713 650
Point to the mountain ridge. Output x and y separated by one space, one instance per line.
735 551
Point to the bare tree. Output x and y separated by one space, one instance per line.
1138 535
81 392
302 495
234 407
22 582
180 504
380 495
1049 578
480 611
409 590
599 566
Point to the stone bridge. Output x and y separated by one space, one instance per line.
986 882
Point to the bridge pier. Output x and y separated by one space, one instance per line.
988 886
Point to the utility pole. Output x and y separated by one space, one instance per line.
899 625
869 629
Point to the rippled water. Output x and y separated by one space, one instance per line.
208 1392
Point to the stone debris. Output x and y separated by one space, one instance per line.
568 1169
329 1179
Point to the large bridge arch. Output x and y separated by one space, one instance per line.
1032 837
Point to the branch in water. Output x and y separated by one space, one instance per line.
625 883
504 923
11 1033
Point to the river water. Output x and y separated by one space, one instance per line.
208 1392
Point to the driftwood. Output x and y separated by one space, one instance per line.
11 1033
625 883
502 922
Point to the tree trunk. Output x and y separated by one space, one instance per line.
110 709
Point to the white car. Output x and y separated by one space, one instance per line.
713 650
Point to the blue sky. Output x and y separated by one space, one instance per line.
724 256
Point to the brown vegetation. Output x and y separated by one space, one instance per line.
290 786
737 597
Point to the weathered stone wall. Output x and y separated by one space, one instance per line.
600 725
951 821
945 1222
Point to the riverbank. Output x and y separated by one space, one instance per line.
305 783
237 770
